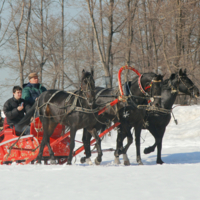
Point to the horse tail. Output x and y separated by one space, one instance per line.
26 119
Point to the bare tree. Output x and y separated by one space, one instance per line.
131 9
104 53
19 31
62 50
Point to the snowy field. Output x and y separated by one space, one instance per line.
177 179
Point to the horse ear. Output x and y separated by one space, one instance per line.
92 72
159 77
180 72
185 71
83 73
173 76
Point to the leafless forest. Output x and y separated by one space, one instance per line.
58 38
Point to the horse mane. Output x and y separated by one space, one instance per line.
166 82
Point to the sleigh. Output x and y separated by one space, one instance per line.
26 149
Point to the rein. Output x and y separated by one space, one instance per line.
188 88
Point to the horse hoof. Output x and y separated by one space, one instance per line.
88 161
140 163
97 162
116 161
53 162
69 163
127 163
126 160
83 160
160 162
146 151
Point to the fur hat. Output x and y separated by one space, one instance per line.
31 75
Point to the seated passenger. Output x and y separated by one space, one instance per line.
33 89
14 109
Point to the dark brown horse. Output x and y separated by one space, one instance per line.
60 107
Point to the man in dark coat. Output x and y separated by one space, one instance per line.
14 109
33 89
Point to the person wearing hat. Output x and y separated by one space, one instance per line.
32 90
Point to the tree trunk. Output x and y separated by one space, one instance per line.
62 71
41 42
105 61
17 29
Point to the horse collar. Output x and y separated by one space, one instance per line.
140 86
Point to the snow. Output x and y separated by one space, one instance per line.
177 179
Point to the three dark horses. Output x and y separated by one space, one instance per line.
60 107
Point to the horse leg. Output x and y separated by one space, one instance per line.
48 127
72 144
158 135
137 143
153 130
52 158
119 145
159 146
98 145
42 145
120 149
86 141
150 149
125 149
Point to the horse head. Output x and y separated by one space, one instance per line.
88 86
186 85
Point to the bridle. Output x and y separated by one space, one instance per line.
88 86
175 89
188 88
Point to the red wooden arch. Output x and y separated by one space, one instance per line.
119 76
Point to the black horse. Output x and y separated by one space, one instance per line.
157 121
56 106
120 111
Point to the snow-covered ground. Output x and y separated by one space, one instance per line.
177 179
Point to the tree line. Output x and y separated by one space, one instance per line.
58 38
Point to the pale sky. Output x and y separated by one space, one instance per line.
9 76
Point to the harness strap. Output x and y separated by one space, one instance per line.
73 106
153 108
68 98
86 110
98 94
140 86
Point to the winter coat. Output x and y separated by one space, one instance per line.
32 91
10 110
